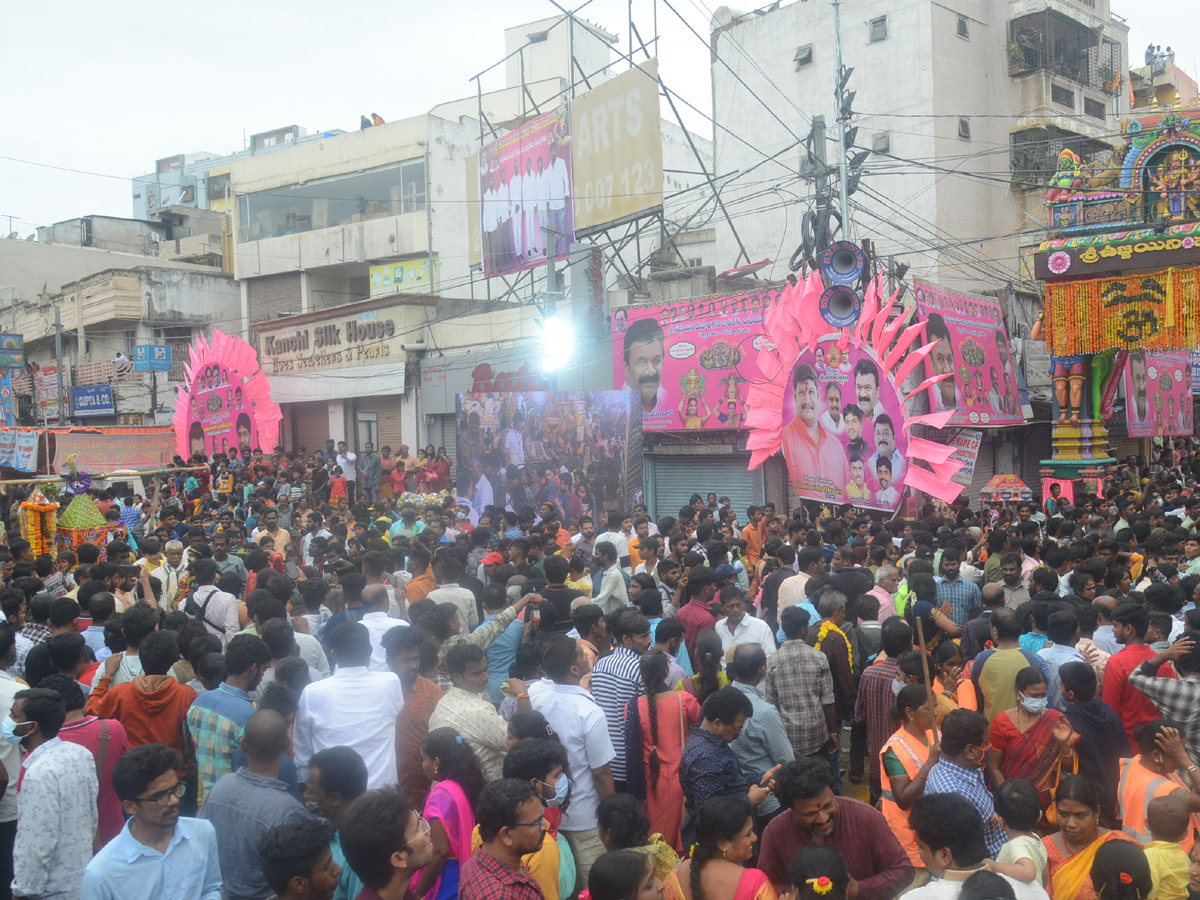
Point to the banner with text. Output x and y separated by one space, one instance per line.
972 347
1158 394
18 450
690 359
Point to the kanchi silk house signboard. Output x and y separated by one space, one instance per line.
356 338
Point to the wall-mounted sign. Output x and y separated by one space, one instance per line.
342 341
405 276
93 400
152 358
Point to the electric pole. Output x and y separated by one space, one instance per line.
843 114
58 353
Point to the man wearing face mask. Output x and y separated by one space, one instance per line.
965 749
56 807
543 765
337 776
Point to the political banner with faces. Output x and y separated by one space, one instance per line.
842 435
1158 394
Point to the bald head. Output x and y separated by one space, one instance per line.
993 595
265 736
374 597
1105 605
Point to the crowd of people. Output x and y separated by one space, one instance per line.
267 694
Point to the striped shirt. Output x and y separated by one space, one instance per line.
616 680
215 722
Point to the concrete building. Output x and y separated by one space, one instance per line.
964 110
369 232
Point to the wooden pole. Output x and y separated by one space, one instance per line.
925 662
119 474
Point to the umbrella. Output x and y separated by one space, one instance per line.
1006 488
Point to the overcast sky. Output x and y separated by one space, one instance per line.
107 88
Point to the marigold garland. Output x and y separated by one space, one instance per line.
1159 311
39 523
828 626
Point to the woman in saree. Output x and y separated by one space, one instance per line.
656 727
724 841
457 779
623 826
1072 850
1030 741
906 760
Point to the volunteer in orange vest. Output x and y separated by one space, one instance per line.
1153 773
906 759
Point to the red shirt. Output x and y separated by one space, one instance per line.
695 617
86 733
1132 706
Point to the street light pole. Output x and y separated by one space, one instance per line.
837 38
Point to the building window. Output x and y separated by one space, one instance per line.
881 143
964 28
329 202
804 57
1062 97
879 29
1093 108
693 262
368 428
964 129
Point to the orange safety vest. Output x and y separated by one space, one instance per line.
1138 787
912 756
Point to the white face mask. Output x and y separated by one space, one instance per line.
898 686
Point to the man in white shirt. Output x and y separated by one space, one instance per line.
583 731
377 621
613 595
353 707
447 569
615 537
516 210
529 201
348 463
10 754
739 628
503 248
466 709
173 569
56 806
488 222
558 189
514 441
216 609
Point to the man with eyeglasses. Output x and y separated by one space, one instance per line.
512 824
157 846
385 841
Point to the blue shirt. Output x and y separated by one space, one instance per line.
349 885
961 594
949 778
1054 656
763 743
501 654
126 869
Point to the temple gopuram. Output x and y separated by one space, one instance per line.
1121 267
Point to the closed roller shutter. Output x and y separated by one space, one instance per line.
1034 448
310 425
671 480
1123 447
387 411
985 468
446 426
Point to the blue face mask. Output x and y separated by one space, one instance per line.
561 787
8 730
1034 705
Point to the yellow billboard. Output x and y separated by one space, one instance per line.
405 276
616 152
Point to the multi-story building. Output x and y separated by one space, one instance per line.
963 109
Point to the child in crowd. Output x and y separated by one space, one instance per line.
1168 820
1019 809
337 485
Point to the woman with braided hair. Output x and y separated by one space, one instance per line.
453 769
724 841
656 728
709 677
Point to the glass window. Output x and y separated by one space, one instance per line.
342 200
804 57
879 29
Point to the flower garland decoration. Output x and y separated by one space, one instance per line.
1150 312
39 523
828 626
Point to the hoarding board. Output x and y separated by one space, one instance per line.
1158 393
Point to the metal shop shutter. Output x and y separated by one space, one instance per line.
310 425
1034 449
671 480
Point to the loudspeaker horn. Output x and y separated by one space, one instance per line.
840 306
843 262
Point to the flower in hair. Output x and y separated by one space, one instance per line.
821 885
1126 878
458 739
